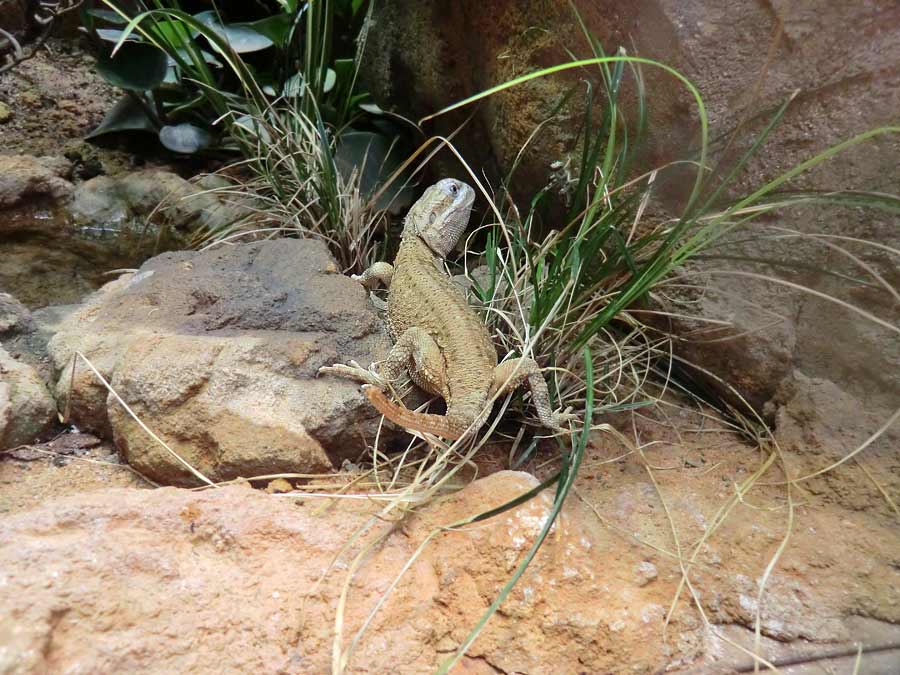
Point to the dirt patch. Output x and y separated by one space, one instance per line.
836 580
70 464
52 99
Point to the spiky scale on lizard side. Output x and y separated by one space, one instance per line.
438 339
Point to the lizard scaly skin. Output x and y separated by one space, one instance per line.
438 338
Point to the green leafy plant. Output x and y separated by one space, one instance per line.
188 77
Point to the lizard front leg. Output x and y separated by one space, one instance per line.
509 375
380 271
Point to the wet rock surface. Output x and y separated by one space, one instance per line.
59 240
217 352
157 206
25 179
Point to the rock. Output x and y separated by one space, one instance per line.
175 205
736 352
5 113
25 179
217 352
819 424
228 580
26 407
645 572
279 485
15 319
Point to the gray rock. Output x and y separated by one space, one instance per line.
26 407
728 345
107 204
217 353
15 319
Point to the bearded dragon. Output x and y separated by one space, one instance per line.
439 340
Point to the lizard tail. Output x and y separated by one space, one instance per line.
409 419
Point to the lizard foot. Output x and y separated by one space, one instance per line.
353 371
561 418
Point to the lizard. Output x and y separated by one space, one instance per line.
438 339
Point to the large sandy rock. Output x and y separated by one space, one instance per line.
217 352
26 407
426 55
89 587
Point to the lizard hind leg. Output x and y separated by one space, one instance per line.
417 353
509 375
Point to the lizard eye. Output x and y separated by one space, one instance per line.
454 189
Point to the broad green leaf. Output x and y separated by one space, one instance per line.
184 138
126 115
137 66
371 108
114 34
239 37
108 16
186 56
171 32
252 126
171 77
373 158
344 69
276 27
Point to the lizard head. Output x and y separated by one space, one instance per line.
441 214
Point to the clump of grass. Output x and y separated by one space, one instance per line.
292 172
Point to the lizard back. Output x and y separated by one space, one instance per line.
422 295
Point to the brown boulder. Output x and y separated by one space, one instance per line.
217 352
25 179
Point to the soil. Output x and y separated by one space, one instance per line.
71 463
836 580
53 99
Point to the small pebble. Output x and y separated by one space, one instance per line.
279 485
645 572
